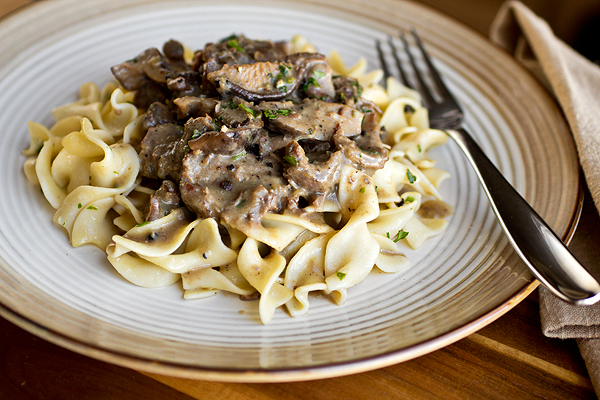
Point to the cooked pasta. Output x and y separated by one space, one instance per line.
267 235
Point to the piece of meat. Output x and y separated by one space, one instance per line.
315 179
163 201
157 114
162 151
212 182
314 119
192 106
130 74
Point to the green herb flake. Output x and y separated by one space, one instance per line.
319 74
142 224
419 148
239 155
340 275
272 114
248 110
411 178
92 208
241 203
362 189
400 235
196 133
310 81
234 44
79 205
388 235
310 131
409 199
291 160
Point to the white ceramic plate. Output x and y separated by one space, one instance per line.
459 282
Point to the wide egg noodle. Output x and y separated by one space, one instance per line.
263 274
393 219
203 282
305 273
43 166
204 249
92 226
346 265
141 272
390 259
167 234
422 229
279 230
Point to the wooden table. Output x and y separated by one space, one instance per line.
508 359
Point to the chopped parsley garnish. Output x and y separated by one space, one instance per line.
196 133
362 189
92 208
272 114
400 235
388 235
79 205
340 275
232 104
249 111
291 160
419 148
284 68
357 86
241 203
409 199
142 224
239 155
411 178
319 74
310 81
234 44
310 131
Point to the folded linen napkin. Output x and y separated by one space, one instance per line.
575 83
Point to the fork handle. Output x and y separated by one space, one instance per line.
545 254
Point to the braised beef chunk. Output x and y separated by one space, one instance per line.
192 106
162 151
157 114
130 74
312 118
163 201
316 179
210 183
237 50
248 128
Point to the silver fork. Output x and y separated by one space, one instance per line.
538 246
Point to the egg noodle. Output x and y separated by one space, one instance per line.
89 171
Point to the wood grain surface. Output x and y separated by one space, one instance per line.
509 359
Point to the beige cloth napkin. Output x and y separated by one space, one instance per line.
575 83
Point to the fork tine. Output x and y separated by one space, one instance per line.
441 86
424 90
403 73
382 62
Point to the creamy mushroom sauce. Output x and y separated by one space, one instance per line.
248 128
